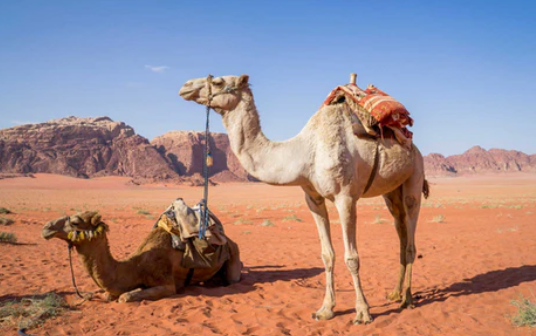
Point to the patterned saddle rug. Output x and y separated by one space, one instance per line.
375 110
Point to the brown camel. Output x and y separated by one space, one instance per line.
329 162
152 272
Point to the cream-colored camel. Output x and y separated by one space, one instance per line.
152 272
329 162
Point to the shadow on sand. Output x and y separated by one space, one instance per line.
491 281
253 276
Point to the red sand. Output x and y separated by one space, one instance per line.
472 265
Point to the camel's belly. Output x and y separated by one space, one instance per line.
396 165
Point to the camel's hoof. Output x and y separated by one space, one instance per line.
394 296
362 317
323 314
407 305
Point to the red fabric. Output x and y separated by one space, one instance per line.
384 108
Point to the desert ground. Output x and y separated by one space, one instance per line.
476 243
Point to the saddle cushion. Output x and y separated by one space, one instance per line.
374 107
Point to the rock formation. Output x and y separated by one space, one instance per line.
479 161
184 150
81 147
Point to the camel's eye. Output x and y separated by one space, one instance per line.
218 82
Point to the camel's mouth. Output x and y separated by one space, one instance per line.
47 233
187 94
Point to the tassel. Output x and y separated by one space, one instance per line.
210 161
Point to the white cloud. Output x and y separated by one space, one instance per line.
157 69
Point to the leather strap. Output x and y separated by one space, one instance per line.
374 167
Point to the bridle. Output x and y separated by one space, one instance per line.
203 204
210 96
73 238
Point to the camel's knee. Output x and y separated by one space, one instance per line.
353 265
411 251
410 202
328 257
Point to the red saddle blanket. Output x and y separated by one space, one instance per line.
385 110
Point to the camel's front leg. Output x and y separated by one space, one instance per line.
346 207
317 205
153 293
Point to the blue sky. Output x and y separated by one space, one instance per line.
464 69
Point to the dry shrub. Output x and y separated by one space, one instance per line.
30 313
526 312
8 237
6 221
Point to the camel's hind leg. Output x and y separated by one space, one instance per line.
393 200
317 205
405 203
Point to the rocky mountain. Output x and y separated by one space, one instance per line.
477 160
184 150
93 147
81 147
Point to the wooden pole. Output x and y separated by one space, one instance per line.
353 78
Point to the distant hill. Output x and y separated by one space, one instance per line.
477 160
93 147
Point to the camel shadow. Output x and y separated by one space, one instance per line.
491 281
254 276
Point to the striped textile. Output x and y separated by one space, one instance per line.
384 109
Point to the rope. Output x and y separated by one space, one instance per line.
374 168
69 247
203 205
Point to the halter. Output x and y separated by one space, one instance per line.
203 204
77 236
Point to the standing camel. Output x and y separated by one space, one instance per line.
329 162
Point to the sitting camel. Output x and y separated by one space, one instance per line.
152 272
328 162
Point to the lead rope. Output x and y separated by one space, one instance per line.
203 205
69 247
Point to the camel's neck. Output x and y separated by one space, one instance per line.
278 163
107 272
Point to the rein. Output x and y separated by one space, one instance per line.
203 204
69 248
208 160
80 236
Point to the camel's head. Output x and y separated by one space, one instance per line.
225 92
83 226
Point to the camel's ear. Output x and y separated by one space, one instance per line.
242 81
86 216
96 219
91 217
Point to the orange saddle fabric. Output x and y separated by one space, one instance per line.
384 109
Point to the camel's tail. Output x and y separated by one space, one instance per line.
425 189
